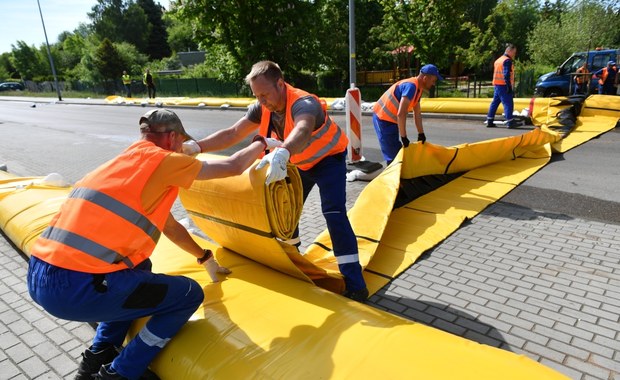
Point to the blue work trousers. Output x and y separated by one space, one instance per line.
115 300
389 138
501 95
330 175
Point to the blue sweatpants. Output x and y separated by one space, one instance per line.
389 138
330 176
115 300
501 95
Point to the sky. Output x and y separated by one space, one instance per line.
21 20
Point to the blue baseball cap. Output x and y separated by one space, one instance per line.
431 70
611 63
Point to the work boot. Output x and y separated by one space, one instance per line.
489 123
360 296
105 373
511 124
92 362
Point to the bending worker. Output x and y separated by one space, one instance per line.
607 79
92 262
314 143
503 85
390 111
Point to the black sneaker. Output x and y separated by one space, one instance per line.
92 362
105 373
511 124
357 295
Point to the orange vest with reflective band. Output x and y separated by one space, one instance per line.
102 227
326 140
498 74
386 108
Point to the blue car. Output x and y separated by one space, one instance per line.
560 82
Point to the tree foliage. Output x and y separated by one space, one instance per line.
579 28
29 61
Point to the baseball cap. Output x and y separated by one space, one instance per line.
431 70
611 63
162 120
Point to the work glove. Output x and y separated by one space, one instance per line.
509 89
191 148
213 268
405 141
272 143
422 137
277 161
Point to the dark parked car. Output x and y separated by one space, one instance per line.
11 86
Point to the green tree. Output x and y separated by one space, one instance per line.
180 34
430 26
108 63
245 32
157 42
579 28
7 70
28 61
120 21
506 23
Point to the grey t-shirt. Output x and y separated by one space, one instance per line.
304 105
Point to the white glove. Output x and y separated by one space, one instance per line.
213 268
191 148
277 161
272 143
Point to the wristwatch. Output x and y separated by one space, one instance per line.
261 139
208 254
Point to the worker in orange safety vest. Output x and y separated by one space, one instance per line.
607 79
503 86
92 262
582 79
313 142
390 111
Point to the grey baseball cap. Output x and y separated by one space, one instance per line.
161 120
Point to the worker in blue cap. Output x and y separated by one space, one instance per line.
390 111
607 79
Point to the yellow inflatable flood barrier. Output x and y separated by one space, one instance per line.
263 324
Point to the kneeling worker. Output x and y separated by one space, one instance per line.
92 263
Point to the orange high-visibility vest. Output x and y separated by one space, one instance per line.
386 108
498 74
603 76
580 79
325 141
102 227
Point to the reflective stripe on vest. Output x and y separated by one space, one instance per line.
386 108
83 244
118 208
322 152
498 74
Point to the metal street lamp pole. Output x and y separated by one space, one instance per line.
49 54
352 72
